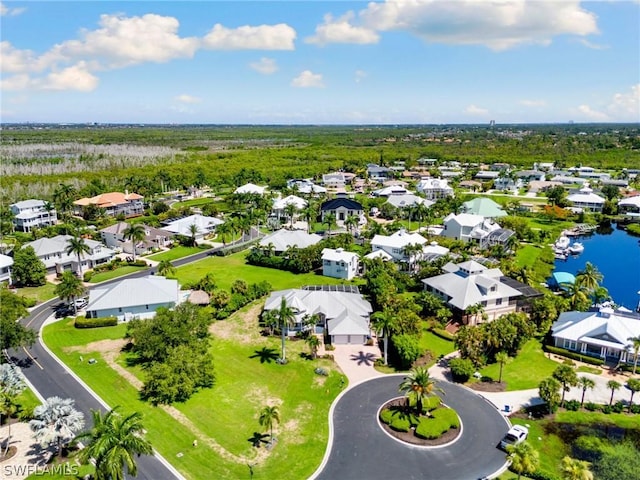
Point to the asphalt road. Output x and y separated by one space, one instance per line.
50 379
362 450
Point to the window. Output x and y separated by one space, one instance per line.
498 301
147 307
484 303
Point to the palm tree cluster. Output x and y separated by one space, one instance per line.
56 421
418 386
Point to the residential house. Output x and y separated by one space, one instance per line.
434 188
484 207
475 228
618 182
528 176
133 298
506 183
485 175
468 284
338 263
342 208
396 245
306 186
334 180
408 200
281 240
629 204
585 199
340 312
499 166
52 252
154 238
472 185
379 174
113 203
30 214
280 205
6 263
604 334
250 189
567 180
390 191
182 226
542 186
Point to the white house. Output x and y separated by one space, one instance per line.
434 188
29 214
466 226
630 204
280 205
133 297
182 226
391 190
396 245
468 284
6 263
338 263
343 315
250 188
113 237
306 186
342 208
586 199
52 252
604 334
376 173
408 200
282 239
334 180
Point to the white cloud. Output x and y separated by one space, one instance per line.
262 37
308 79
190 99
21 81
360 75
342 31
591 45
590 114
499 24
533 103
474 110
626 106
76 77
265 66
10 12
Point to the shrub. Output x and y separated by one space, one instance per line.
29 302
462 369
572 405
408 348
386 416
635 408
87 276
569 362
618 407
83 322
447 415
431 403
400 423
439 332
607 409
329 347
592 407
575 356
431 428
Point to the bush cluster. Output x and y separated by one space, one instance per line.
83 322
241 297
461 369
574 355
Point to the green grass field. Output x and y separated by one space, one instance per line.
118 272
175 253
437 345
40 294
550 447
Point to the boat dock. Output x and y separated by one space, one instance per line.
580 229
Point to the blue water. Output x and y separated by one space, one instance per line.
617 256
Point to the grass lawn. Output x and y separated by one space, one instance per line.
225 416
228 269
550 447
118 272
527 255
194 202
175 253
27 400
40 294
555 226
437 345
526 371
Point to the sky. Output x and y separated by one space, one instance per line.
320 62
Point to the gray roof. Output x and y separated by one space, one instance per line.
408 200
348 324
132 292
31 203
283 239
55 247
596 327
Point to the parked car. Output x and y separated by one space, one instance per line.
516 434
81 303
64 311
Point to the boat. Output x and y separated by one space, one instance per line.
576 248
562 243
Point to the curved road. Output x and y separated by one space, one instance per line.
362 450
50 379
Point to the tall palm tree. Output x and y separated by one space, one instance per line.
589 277
290 209
314 343
11 385
135 233
77 246
56 421
193 232
329 219
635 345
268 416
165 268
411 251
502 358
633 384
573 469
309 213
70 288
223 230
417 385
285 318
524 459
351 223
586 384
113 444
576 292
384 322
613 386
63 198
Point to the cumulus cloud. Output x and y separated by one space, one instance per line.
475 110
6 11
591 114
626 106
360 75
189 99
342 31
533 103
75 77
265 66
308 79
262 37
499 24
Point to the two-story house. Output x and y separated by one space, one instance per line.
6 263
113 203
154 238
338 263
30 214
342 207
52 252
434 188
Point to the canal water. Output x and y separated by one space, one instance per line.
617 255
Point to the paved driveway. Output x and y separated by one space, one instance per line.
362 451
356 361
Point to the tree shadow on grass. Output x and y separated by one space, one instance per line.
266 355
257 439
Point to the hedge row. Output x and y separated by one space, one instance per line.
235 248
439 332
573 355
83 322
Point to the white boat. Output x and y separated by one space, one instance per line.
576 248
562 243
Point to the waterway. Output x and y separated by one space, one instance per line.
617 255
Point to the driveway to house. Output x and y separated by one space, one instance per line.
361 450
356 361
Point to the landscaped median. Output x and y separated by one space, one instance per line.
225 417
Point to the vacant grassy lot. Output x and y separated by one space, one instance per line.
118 272
174 253
526 371
40 294
223 418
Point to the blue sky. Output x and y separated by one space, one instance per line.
321 62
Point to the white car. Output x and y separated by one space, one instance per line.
81 303
516 434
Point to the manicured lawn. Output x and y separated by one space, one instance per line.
228 269
437 345
526 371
527 255
118 272
555 226
194 202
227 414
27 400
40 294
174 253
550 447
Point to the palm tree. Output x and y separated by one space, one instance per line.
524 459
77 246
268 416
635 345
411 251
285 319
573 469
633 384
193 231
419 386
113 443
576 293
502 358
314 343
63 198
135 233
566 375
165 268
223 230
290 209
351 223
56 421
586 384
11 385
589 277
613 386
329 219
70 288
309 213
384 322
